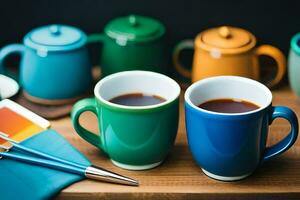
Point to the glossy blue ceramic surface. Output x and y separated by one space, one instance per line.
54 62
235 145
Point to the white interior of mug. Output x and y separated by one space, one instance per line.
228 87
148 83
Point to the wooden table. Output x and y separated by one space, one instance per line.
180 178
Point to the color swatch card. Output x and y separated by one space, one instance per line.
18 122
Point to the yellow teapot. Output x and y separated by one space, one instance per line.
227 51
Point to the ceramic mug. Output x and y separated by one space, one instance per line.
294 64
55 65
230 146
133 137
132 43
227 51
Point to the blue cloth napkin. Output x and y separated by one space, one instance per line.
24 181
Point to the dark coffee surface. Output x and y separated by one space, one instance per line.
137 99
228 106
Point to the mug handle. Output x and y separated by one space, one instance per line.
6 51
80 107
184 44
279 58
289 140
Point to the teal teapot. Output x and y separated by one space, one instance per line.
54 67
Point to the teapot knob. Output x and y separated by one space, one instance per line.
54 30
224 32
132 20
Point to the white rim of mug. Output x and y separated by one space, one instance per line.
138 72
235 78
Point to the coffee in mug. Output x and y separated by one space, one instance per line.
137 99
228 105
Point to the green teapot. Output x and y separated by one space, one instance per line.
132 43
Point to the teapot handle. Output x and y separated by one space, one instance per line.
95 38
6 51
185 44
279 58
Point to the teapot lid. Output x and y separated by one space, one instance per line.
226 39
134 28
55 38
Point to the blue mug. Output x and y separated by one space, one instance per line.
55 65
230 146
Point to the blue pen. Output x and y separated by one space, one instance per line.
53 162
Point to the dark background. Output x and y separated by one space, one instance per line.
273 22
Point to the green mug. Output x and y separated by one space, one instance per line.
133 137
137 42
294 64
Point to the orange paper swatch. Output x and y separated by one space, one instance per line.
16 126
